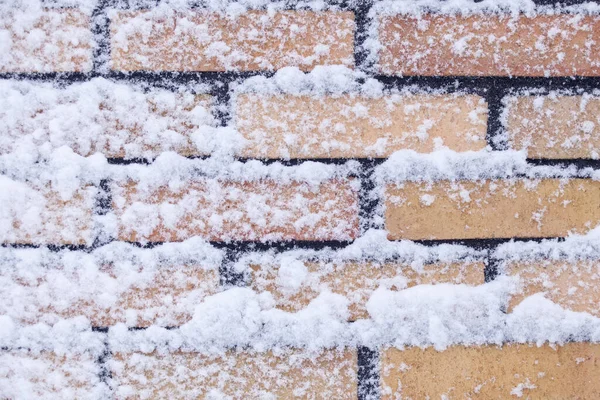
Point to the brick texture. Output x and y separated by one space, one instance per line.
167 299
555 127
117 120
51 41
491 209
489 372
253 210
289 126
48 375
357 281
249 375
572 285
252 41
487 45
42 216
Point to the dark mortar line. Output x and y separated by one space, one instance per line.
368 374
494 97
362 23
101 33
368 201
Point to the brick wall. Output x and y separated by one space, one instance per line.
483 81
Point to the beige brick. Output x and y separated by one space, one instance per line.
252 41
253 210
555 127
489 372
572 285
36 215
167 298
491 209
241 375
488 45
51 41
288 126
46 375
357 281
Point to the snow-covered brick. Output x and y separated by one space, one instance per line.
115 119
38 39
165 39
555 125
485 44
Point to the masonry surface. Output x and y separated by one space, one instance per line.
342 200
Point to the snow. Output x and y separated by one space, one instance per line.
55 146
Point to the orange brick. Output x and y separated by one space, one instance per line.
290 126
253 210
357 281
332 374
253 41
554 127
53 41
491 209
488 45
572 285
489 372
26 375
41 216
167 299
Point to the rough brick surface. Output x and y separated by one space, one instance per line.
253 210
252 41
491 209
42 216
357 281
249 375
50 41
572 285
117 120
489 372
487 45
48 375
166 297
289 126
556 126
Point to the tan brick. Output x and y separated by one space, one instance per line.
491 209
26 375
488 45
252 41
41 216
289 126
254 210
53 41
572 285
331 374
489 372
554 127
357 281
168 298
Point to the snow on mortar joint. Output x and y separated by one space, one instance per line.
368 373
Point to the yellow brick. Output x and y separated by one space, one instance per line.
288 126
572 285
491 209
357 281
555 127
489 372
